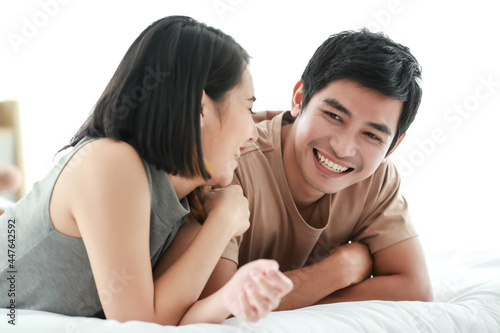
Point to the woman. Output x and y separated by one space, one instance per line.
173 118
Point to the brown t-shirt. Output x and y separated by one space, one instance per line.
372 211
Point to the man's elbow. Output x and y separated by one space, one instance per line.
424 295
427 295
421 290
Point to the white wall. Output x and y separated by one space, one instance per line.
56 56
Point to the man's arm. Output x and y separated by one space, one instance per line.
346 265
221 274
399 273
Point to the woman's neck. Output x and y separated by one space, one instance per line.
183 186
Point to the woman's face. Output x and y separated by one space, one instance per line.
225 128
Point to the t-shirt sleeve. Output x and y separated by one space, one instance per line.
385 220
232 250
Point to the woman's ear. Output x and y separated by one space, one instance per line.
204 105
297 98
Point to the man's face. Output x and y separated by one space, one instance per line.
343 134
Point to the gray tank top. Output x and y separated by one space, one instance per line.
42 269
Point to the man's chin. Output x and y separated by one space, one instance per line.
221 179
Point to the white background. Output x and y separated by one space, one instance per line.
57 56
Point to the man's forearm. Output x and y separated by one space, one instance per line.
400 273
347 265
390 288
310 285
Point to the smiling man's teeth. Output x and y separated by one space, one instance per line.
329 164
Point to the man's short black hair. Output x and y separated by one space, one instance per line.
374 61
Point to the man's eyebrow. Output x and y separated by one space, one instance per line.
381 127
337 105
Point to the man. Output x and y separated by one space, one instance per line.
323 196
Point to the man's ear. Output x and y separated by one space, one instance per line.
297 98
397 144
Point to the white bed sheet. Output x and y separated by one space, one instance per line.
467 299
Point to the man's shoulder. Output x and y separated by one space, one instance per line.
260 158
387 172
269 128
261 116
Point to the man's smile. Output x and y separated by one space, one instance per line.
330 165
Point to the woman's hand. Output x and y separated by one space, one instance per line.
229 207
256 289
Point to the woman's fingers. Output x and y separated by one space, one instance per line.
261 286
266 291
280 282
259 304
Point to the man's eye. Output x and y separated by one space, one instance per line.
334 116
373 136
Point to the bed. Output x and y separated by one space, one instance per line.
466 288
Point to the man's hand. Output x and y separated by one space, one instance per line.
354 261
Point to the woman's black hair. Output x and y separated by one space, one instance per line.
372 60
153 101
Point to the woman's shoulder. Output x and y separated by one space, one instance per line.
106 146
104 174
106 151
106 160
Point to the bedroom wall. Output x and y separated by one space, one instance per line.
56 56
